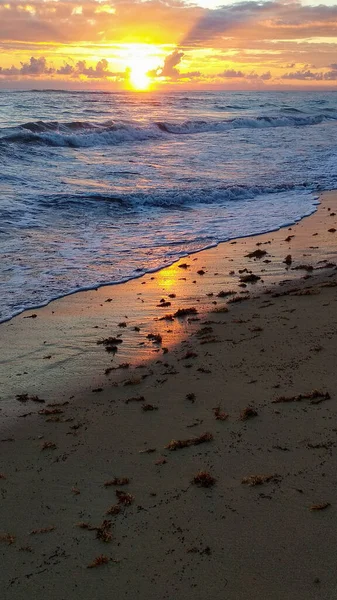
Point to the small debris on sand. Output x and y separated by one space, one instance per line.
7 538
250 278
248 413
315 396
322 506
117 481
253 480
98 561
177 444
124 497
303 267
110 341
204 479
135 399
115 509
224 294
25 398
48 446
43 530
220 415
256 254
155 338
184 312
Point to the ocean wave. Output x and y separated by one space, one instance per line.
178 198
230 107
290 109
81 134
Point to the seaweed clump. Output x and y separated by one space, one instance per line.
178 444
98 561
256 254
248 413
184 312
220 415
253 480
315 396
117 481
250 278
204 479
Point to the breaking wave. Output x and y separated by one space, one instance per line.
178 198
82 134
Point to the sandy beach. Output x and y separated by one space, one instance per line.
177 433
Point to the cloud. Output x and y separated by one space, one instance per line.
303 76
99 71
170 63
225 19
331 75
35 67
38 67
310 76
169 69
90 21
269 20
231 74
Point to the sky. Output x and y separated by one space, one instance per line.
168 44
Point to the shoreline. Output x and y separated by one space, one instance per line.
316 203
75 315
63 460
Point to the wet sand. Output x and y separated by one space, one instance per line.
264 528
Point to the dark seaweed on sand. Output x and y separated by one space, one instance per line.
204 479
177 444
184 312
315 396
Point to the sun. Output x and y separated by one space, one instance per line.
140 60
139 79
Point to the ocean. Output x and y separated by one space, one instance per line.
99 188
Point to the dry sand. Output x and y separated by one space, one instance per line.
238 539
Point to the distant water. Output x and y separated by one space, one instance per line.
99 188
